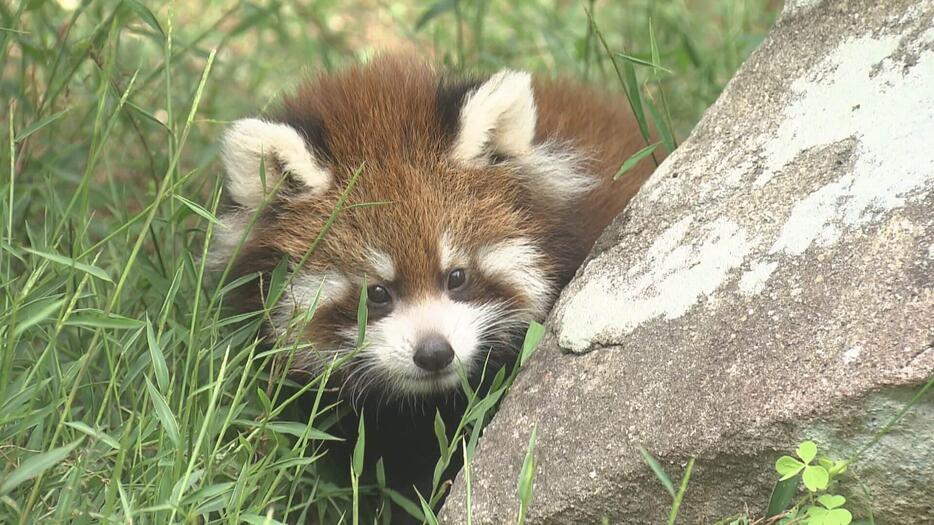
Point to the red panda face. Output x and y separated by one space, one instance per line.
456 224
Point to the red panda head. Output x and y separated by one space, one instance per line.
461 223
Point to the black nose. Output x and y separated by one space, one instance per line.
433 353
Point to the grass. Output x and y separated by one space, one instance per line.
128 392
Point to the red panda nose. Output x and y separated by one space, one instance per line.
433 353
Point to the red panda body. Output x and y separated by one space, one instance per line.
476 201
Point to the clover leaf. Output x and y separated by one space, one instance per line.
828 509
830 501
788 467
816 515
821 516
838 517
807 450
815 478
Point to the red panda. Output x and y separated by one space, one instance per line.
477 201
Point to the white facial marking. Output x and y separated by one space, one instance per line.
249 141
519 263
382 264
451 256
556 172
392 341
499 114
299 298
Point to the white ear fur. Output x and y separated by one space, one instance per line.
500 115
250 140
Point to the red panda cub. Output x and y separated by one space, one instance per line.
477 201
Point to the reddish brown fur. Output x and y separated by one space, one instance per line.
603 128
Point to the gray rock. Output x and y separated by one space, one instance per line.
773 282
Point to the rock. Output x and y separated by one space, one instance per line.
773 282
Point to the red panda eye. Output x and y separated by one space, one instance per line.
378 295
456 279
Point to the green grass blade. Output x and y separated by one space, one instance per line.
626 79
84 428
527 478
358 448
34 466
662 126
635 98
98 319
255 519
892 422
658 470
37 315
631 162
679 497
533 335
36 126
440 432
356 468
159 367
96 271
163 413
410 507
362 313
145 15
642 62
468 488
434 10
203 213
429 517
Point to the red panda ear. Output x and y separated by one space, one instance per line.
283 152
498 118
